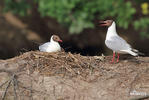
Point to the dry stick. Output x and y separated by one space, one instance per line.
3 96
9 81
17 87
3 83
14 87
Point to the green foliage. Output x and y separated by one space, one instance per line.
18 7
118 9
142 25
77 15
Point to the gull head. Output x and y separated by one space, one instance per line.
56 38
106 23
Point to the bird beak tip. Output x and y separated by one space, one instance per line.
60 41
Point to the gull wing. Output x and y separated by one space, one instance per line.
117 43
44 46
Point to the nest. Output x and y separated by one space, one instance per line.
64 64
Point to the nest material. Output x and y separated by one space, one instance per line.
65 64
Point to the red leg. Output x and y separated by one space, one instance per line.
118 56
113 57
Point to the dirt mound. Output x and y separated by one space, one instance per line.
65 76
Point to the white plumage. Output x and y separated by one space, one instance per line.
52 46
116 43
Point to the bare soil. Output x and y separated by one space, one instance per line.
37 75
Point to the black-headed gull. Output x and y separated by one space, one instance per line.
115 42
52 46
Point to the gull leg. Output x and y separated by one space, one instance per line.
118 56
113 57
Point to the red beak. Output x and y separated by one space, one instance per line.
60 41
103 23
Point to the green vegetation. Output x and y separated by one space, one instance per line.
77 15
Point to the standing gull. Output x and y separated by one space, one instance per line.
52 46
115 42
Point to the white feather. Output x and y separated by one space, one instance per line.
130 52
116 43
51 46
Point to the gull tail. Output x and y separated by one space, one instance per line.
132 52
139 53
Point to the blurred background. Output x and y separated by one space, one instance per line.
25 24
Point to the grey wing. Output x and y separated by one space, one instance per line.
117 43
44 46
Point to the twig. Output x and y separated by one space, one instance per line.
3 83
17 87
3 96
14 87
